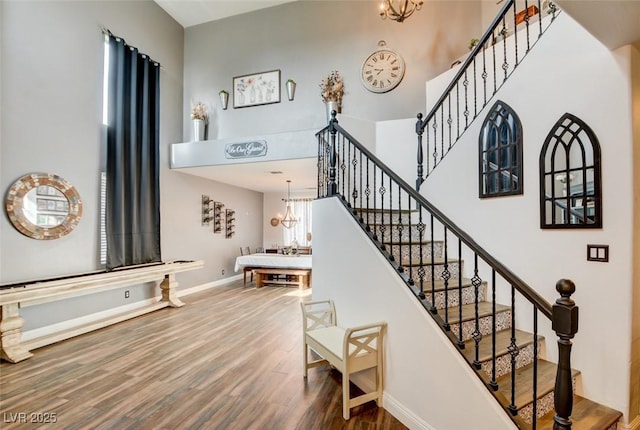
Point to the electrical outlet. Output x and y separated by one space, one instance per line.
126 294
223 271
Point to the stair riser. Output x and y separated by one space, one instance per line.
401 252
543 406
387 218
485 325
468 294
393 233
503 362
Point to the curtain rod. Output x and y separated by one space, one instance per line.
108 32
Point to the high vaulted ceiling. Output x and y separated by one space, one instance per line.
194 12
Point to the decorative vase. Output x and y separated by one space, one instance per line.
332 106
198 130
291 90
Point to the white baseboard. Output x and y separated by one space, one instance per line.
404 415
208 285
365 380
633 425
47 335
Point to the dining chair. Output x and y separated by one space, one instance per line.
245 250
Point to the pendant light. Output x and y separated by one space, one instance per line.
400 10
289 219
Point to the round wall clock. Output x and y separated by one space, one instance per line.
383 70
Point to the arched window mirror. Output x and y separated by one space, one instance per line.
570 184
500 152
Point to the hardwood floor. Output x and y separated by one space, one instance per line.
230 359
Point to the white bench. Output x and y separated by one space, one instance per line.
349 350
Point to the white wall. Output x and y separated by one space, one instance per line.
426 379
308 39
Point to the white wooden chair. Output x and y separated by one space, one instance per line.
349 350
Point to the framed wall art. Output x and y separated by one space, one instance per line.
256 89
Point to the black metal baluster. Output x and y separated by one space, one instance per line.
460 341
526 23
381 214
465 83
476 281
484 75
445 278
475 90
411 268
367 192
420 156
449 120
343 166
457 110
360 205
505 64
333 186
515 39
433 308
391 257
493 384
400 227
421 271
375 207
348 173
354 193
513 351
435 142
442 152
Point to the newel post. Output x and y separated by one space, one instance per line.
333 187
565 324
420 154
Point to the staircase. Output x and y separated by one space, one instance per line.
483 308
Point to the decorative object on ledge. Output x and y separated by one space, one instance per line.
256 148
472 43
43 206
399 10
256 89
291 89
207 207
199 120
217 217
289 219
332 90
224 99
230 223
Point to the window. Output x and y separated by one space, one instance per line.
570 189
301 208
500 147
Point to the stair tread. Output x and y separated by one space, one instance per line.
586 415
524 381
439 284
503 340
469 311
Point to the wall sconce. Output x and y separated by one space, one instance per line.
291 89
224 99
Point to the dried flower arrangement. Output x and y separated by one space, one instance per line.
199 111
332 87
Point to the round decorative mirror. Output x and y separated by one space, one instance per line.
43 206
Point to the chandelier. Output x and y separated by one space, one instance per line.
289 219
399 10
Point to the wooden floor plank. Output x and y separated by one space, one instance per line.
230 359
